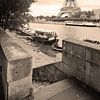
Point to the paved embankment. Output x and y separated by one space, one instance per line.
76 91
68 89
39 58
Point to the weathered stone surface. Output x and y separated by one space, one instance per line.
21 88
74 62
74 49
66 69
49 73
79 51
94 80
51 90
16 68
17 65
16 62
87 72
67 47
82 60
93 55
19 69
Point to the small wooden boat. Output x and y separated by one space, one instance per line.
23 31
91 41
45 37
56 47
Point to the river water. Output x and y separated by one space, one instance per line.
75 32
64 32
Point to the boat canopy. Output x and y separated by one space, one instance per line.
46 33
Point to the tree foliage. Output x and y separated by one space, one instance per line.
84 14
13 12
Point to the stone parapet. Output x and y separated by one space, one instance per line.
82 61
16 68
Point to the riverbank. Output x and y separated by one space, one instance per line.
65 88
42 55
49 22
70 23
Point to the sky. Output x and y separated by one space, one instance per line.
52 7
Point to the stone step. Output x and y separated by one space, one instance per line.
51 90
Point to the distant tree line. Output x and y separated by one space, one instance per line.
13 13
83 14
47 18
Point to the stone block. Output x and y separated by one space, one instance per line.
67 47
54 74
20 88
52 90
72 72
16 68
68 59
93 55
95 76
19 69
87 69
82 60
79 75
75 62
66 69
16 63
79 51
74 49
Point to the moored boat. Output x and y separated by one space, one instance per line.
91 41
44 36
82 24
23 31
56 47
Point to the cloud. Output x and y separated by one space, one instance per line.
52 7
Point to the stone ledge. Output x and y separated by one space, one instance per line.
16 68
82 43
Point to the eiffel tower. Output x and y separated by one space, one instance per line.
69 7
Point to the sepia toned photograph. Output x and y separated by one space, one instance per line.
49 49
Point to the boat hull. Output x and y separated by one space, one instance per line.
84 25
44 40
57 48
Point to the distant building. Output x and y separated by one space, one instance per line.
96 13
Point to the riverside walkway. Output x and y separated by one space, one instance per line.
39 58
71 89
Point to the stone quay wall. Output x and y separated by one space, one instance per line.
82 61
16 69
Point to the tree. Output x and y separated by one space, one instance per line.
13 12
77 15
83 14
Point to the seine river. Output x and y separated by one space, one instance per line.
75 32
